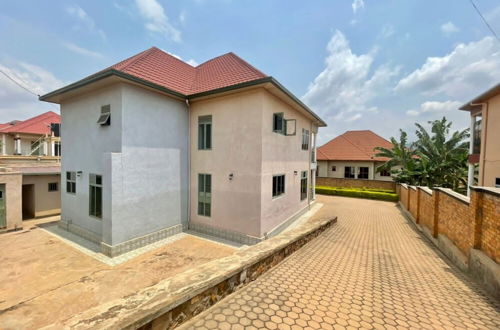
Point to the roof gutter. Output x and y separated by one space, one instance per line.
264 80
106 74
113 72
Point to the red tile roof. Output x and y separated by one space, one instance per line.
36 125
161 68
354 145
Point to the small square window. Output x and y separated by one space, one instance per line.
279 123
278 185
53 186
105 118
497 182
334 168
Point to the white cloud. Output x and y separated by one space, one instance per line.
345 88
449 28
357 5
84 20
156 20
82 51
435 107
191 61
468 70
15 102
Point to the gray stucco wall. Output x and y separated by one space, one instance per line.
142 157
85 142
150 177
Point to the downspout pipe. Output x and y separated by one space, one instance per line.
188 107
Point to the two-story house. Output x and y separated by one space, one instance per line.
29 170
154 146
484 152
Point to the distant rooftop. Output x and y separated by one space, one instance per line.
354 145
36 125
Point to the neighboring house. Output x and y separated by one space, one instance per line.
352 156
154 145
37 136
29 170
485 138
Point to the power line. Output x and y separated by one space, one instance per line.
18 84
484 20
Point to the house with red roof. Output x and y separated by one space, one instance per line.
30 170
352 155
37 136
154 146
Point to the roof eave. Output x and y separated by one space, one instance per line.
474 104
49 97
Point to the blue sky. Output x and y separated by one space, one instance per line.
360 64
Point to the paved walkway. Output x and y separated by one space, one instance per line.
371 270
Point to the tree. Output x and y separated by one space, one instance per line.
436 159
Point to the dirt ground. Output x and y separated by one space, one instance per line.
43 279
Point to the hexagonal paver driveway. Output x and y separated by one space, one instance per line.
371 270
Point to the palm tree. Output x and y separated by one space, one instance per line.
435 159
400 156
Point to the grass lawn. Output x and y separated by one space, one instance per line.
380 194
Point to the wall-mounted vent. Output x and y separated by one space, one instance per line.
105 118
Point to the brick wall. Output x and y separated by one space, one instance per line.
403 195
426 216
468 222
456 221
490 229
353 183
413 202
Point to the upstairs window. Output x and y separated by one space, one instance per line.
278 185
363 173
279 123
57 148
204 194
334 168
205 132
303 185
95 195
305 139
349 172
71 182
476 136
105 118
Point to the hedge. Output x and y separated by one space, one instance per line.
359 193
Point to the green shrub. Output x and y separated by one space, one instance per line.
359 193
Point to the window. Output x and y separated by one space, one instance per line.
334 168
95 195
385 173
204 194
57 148
303 185
278 185
105 117
305 139
71 182
53 186
205 132
363 173
349 172
476 136
55 128
279 123
497 182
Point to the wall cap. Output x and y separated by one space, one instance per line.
451 193
426 189
488 190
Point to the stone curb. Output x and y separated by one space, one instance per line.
172 301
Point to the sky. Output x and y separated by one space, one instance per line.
360 64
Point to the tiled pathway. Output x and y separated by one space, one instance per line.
371 270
